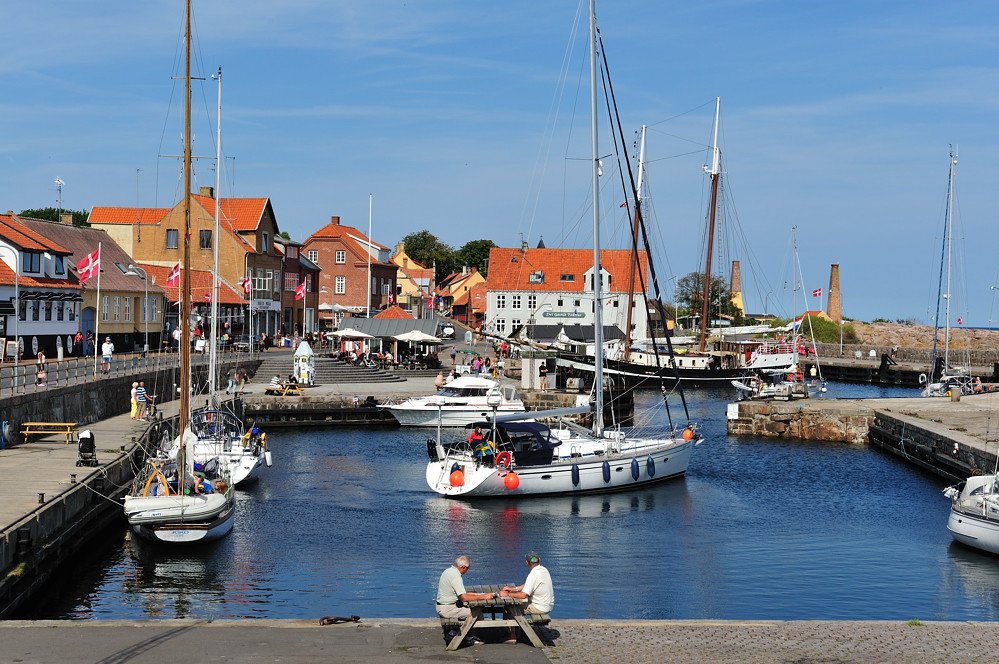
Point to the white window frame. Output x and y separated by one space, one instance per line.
341 285
340 257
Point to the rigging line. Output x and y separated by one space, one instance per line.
710 102
652 270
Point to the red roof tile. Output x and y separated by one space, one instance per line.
506 274
243 214
16 233
395 311
126 215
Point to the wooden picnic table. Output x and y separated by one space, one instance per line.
41 428
509 609
291 388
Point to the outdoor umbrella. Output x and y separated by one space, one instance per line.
417 336
351 333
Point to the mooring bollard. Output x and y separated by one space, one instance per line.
41 498
72 479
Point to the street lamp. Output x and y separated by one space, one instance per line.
332 314
766 301
136 271
17 308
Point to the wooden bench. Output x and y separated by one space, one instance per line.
498 606
42 428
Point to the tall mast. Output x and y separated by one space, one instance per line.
715 174
212 377
634 247
185 277
950 235
598 324
944 264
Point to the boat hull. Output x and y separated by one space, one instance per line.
593 473
630 374
449 416
181 519
974 530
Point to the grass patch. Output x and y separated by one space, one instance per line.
915 623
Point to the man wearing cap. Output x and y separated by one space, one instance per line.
450 589
107 349
537 588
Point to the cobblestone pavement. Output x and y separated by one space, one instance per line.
771 642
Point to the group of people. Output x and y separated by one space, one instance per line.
141 400
451 600
236 378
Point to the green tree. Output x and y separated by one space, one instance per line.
690 296
424 248
285 235
476 254
52 214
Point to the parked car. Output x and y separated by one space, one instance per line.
242 343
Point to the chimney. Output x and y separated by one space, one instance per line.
67 218
335 221
208 191
833 304
735 287
523 246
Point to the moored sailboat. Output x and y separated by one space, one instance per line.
529 458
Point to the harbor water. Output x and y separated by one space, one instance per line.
758 529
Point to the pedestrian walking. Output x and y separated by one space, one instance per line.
543 376
134 401
142 399
231 381
107 355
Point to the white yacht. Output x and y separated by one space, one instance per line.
464 400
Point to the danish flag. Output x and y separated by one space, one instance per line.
300 291
173 279
247 285
90 265
817 292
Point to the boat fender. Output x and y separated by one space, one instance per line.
650 467
504 459
575 474
267 458
455 466
511 481
606 471
635 472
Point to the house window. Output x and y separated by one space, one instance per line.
385 288
71 311
292 252
31 262
48 311
341 284
575 303
501 325
35 306
313 255
515 302
290 281
501 302
205 239
341 257
60 306
128 309
117 308
152 308
514 324
105 306
265 242
172 235
567 277
561 302
532 302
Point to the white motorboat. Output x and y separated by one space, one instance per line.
974 512
531 458
522 457
464 400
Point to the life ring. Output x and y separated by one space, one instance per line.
504 459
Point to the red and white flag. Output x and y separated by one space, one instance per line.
247 285
208 297
817 292
959 320
300 291
90 265
173 279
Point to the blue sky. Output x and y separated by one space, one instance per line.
836 118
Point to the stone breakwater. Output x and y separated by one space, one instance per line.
846 424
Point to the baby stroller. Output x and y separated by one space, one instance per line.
88 449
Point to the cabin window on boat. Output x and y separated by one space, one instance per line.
172 235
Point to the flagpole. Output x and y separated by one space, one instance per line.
97 316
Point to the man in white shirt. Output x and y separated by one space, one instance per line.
107 349
537 588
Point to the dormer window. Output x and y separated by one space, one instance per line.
60 265
567 277
31 262
265 244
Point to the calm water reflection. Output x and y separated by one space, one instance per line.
344 524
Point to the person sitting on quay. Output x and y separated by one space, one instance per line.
451 589
439 381
275 385
538 589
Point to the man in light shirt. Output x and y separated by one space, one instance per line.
537 589
451 589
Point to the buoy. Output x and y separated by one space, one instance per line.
635 472
511 481
267 458
687 434
457 478
650 467
606 471
575 475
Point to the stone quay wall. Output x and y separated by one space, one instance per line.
788 420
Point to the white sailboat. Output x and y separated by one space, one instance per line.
167 502
950 379
528 458
974 512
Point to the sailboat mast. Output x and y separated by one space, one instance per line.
715 174
950 235
598 324
634 247
185 277
212 359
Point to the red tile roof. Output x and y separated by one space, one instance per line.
348 235
126 215
201 285
15 232
26 281
395 311
242 214
505 274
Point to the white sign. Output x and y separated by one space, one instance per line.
265 305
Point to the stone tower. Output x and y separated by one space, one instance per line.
735 288
833 304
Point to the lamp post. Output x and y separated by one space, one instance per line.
136 271
766 303
17 308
